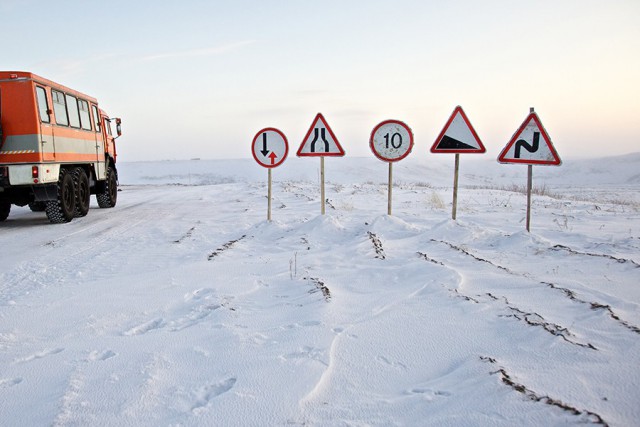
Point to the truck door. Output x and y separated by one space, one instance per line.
101 168
47 136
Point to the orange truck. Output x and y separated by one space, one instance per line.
56 148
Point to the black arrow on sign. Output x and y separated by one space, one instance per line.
264 150
521 143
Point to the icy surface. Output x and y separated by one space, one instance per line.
184 306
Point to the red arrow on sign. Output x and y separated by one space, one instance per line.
273 157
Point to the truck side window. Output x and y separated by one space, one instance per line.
107 123
85 119
96 117
60 108
43 105
72 108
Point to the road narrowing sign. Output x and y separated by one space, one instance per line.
530 145
270 147
458 136
391 140
320 141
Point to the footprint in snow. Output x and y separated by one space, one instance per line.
428 394
145 327
205 394
98 355
9 382
40 355
397 365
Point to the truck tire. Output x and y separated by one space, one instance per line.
109 197
38 206
63 209
5 208
83 192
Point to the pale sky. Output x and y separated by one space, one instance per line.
199 78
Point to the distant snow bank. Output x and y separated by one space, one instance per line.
434 170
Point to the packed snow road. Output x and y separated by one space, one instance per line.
183 306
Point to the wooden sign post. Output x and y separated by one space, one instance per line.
320 141
457 136
269 149
525 147
391 141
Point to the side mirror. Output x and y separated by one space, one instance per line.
119 126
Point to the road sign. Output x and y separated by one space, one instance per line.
270 147
530 145
458 136
320 141
391 140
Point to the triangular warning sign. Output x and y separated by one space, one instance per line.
320 140
458 136
530 145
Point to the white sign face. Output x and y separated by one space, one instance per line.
391 140
530 145
320 140
270 147
458 136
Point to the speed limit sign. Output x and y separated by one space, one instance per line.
391 140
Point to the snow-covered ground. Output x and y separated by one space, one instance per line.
184 306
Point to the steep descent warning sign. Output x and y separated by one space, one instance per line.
320 140
530 145
458 136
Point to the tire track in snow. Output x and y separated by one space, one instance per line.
62 257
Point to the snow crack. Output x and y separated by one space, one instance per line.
186 235
532 395
427 258
573 251
377 245
595 306
224 247
319 287
477 258
535 319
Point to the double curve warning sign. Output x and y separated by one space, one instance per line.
530 145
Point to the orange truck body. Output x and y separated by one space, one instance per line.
48 130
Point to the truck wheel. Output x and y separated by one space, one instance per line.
83 193
63 209
37 206
5 208
108 198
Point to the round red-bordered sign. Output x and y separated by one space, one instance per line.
391 140
270 147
